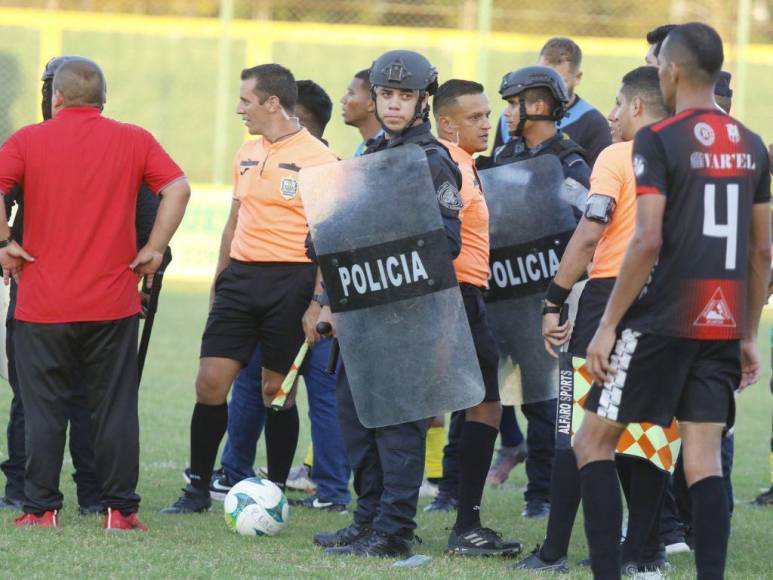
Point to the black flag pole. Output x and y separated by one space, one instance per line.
150 312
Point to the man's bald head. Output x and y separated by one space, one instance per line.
80 83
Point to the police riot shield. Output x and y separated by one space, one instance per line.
531 223
398 311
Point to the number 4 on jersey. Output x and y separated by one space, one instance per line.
729 231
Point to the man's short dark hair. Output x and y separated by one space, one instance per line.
541 94
452 89
81 83
363 75
316 101
658 35
273 80
560 49
698 48
643 82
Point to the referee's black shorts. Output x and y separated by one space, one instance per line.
259 302
485 343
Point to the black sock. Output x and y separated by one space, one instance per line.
476 449
564 501
208 426
281 441
646 485
711 526
603 517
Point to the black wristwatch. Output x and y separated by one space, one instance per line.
548 309
4 243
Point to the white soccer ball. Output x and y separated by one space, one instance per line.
256 507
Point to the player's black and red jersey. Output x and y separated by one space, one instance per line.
712 170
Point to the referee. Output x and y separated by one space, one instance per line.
88 322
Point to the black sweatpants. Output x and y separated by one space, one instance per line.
47 358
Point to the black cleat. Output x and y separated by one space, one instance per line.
481 542
375 544
314 503
536 508
535 563
442 503
342 537
765 498
190 502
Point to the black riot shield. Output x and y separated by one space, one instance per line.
398 311
531 223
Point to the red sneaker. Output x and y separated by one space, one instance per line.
115 520
49 519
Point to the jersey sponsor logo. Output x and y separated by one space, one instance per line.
388 272
733 133
722 161
639 165
288 188
704 134
716 312
448 196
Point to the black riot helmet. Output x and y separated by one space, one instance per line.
408 71
48 81
532 77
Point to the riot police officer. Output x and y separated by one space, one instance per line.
536 99
388 462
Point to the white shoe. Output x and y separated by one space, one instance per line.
299 479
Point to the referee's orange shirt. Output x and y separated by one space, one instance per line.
613 176
472 263
271 223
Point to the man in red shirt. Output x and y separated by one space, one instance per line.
77 299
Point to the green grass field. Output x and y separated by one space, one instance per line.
201 546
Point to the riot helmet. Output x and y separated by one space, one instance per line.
532 77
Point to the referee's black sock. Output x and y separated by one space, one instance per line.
476 449
603 509
281 440
711 526
564 501
208 426
646 486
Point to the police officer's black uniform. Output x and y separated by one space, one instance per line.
388 463
541 416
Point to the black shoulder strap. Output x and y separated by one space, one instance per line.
563 148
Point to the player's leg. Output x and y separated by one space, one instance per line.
13 466
594 447
283 294
540 440
706 406
512 448
476 446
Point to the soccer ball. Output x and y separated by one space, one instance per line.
256 507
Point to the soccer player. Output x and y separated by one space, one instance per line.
358 109
264 282
462 113
691 288
655 39
598 243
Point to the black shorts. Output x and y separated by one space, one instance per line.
259 302
590 309
659 378
482 337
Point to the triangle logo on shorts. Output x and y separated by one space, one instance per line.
716 312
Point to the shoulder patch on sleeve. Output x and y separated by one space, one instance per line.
448 196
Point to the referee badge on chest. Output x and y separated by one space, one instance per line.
288 188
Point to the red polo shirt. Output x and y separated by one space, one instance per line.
80 173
